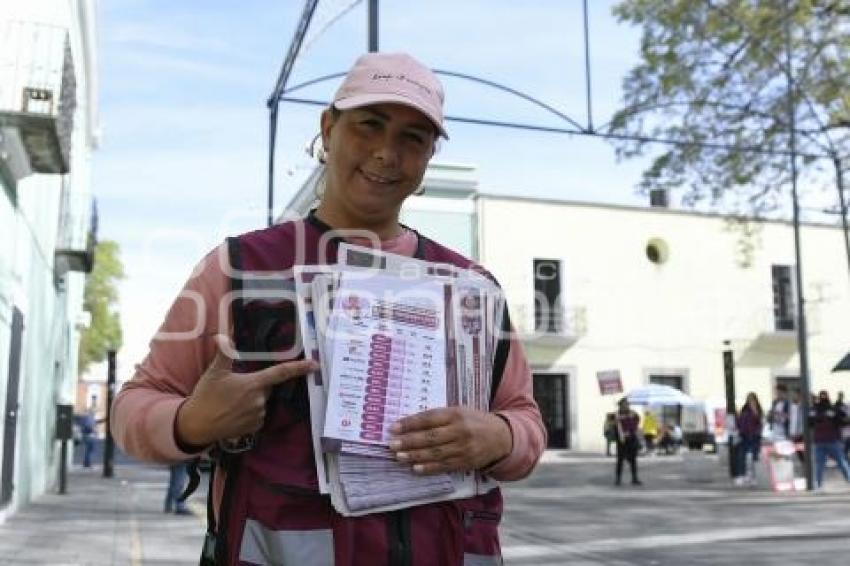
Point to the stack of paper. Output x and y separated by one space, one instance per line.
393 336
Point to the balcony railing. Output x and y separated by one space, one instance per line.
556 325
77 234
38 91
777 334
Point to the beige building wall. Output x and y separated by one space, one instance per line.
626 312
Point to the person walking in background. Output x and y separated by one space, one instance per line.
176 484
749 424
825 421
780 413
87 432
610 432
628 422
795 424
841 407
649 428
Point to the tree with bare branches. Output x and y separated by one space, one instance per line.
713 74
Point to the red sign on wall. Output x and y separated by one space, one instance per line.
610 382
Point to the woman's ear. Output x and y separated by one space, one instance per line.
327 124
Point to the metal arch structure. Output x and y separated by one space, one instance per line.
273 102
569 125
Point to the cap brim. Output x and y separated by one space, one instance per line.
362 100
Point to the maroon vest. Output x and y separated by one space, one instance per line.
271 510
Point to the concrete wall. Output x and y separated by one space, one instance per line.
36 211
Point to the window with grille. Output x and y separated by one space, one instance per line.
783 297
548 310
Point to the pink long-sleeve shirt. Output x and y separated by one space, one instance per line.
144 411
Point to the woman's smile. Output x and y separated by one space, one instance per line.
378 179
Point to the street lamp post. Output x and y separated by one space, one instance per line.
729 380
802 345
108 443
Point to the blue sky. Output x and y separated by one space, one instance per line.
183 88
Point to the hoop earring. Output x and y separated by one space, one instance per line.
317 150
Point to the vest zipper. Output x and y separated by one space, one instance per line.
398 537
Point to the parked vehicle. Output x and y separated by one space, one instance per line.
704 423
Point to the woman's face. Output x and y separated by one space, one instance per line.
376 157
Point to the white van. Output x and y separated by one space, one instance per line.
704 423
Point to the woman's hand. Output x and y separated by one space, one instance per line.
451 439
225 404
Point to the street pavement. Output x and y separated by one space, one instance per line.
568 512
687 512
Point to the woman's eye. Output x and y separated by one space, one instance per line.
418 139
370 123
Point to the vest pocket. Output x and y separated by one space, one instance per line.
288 507
286 525
480 517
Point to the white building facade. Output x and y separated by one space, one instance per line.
651 293
655 294
48 130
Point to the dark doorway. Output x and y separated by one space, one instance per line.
671 414
792 382
550 392
11 414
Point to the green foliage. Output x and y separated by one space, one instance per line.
101 300
713 71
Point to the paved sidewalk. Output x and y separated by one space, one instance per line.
568 511
100 521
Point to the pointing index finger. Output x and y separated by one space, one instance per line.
283 371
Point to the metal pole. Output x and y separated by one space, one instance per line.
373 25
272 137
802 345
839 181
108 443
280 86
63 466
587 68
729 382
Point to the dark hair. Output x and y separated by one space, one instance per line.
782 387
759 410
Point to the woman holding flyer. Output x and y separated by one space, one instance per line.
227 363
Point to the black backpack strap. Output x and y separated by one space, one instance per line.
208 550
503 348
194 479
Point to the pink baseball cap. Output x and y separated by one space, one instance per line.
379 78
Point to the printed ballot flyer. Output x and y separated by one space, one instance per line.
388 344
393 336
